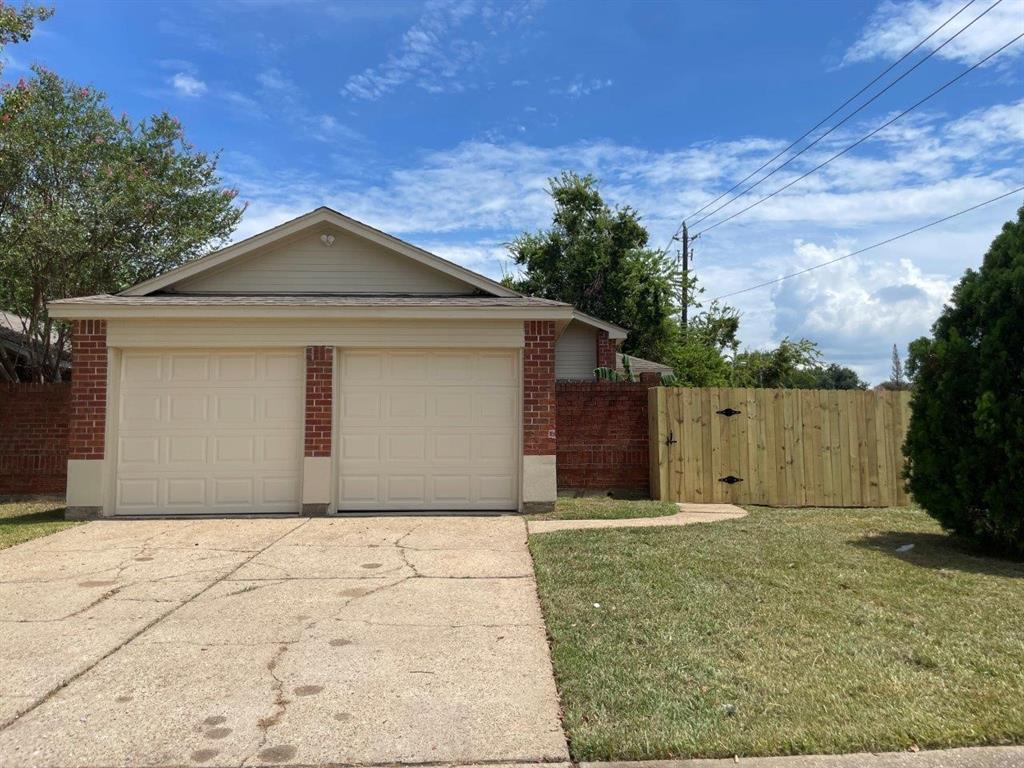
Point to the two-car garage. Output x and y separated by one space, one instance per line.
203 431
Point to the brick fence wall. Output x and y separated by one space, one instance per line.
602 437
34 422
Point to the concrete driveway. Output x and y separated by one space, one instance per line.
275 642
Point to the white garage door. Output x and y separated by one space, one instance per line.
210 432
428 429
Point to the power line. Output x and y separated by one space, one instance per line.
861 140
775 170
825 119
868 248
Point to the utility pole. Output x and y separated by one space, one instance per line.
685 257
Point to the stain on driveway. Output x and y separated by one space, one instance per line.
275 642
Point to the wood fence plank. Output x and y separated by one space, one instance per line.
657 450
778 468
871 438
706 424
700 438
790 447
837 453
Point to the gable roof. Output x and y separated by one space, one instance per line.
322 215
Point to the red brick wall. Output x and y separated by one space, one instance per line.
605 351
34 437
602 436
88 389
319 391
539 388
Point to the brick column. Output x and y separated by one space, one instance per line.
606 355
88 419
318 423
539 484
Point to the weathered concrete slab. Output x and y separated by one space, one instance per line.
259 642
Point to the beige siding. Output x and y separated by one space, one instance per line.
328 332
305 265
576 352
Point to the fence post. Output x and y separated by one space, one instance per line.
657 417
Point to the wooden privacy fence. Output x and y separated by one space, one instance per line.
778 447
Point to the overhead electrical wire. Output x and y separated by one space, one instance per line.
868 248
882 74
833 113
861 140
789 160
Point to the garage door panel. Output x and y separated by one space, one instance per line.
210 432
233 490
407 367
140 408
362 367
185 491
189 368
236 368
406 489
495 488
359 489
452 488
142 368
430 429
192 408
283 368
235 408
452 446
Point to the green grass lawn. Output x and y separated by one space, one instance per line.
24 520
604 508
789 631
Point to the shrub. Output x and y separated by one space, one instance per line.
965 443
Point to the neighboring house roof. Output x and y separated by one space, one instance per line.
13 337
485 298
638 365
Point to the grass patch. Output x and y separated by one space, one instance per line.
24 520
786 632
605 508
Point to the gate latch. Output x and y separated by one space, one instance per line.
671 439
729 412
730 479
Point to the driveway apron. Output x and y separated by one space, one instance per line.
275 642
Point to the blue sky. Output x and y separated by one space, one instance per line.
440 122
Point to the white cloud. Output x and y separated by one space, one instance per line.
580 86
895 28
273 80
466 201
437 52
188 85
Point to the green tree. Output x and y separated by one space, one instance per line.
596 258
965 442
897 376
789 366
700 358
17 24
835 376
91 203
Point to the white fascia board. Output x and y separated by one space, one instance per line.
82 311
614 331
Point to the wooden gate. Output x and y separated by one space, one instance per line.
778 447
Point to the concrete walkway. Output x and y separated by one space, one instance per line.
687 515
263 642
